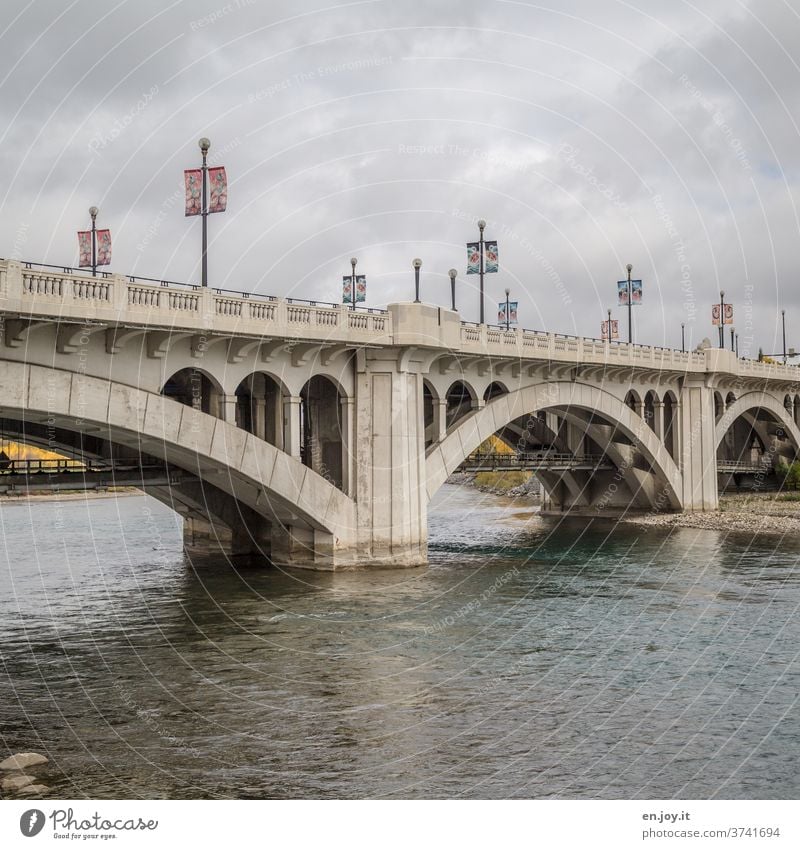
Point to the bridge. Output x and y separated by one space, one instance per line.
316 434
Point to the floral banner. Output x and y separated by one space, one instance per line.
512 312
636 292
491 258
194 189
614 329
715 314
218 186
347 289
84 249
473 257
104 247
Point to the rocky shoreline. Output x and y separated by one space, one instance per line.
16 779
750 513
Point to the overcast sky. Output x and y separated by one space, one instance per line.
588 133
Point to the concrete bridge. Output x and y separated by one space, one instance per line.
317 435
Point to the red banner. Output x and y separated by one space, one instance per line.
218 185
194 189
84 248
104 247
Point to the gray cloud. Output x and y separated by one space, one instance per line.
591 135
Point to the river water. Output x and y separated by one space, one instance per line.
530 659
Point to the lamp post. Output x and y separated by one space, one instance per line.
417 265
205 145
353 262
481 227
737 346
93 210
452 274
722 318
630 305
732 340
608 327
783 322
683 338
508 308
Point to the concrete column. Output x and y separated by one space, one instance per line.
227 408
658 419
440 418
390 487
291 425
347 406
698 452
260 418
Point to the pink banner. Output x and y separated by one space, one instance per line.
609 333
715 314
194 189
103 247
84 249
218 186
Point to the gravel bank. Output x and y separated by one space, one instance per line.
760 513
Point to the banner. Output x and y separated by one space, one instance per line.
622 292
347 289
103 247
194 188
473 258
715 314
614 330
84 249
512 312
491 257
218 185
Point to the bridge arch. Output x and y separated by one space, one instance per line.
195 387
758 401
446 456
253 472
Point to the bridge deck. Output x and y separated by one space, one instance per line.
59 474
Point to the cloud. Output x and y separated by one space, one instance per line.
589 136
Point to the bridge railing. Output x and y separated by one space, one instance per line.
56 292
532 460
498 341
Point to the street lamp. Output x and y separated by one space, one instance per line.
205 146
481 228
508 308
353 262
732 335
93 210
629 267
683 338
783 322
608 327
417 265
452 274
722 318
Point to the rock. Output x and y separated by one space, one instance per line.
15 782
33 790
23 761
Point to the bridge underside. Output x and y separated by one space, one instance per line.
216 522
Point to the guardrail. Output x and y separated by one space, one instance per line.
533 460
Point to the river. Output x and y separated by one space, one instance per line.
530 659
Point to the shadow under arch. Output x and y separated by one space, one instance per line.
445 457
251 471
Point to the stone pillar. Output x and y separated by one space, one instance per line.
348 448
390 443
440 418
291 424
260 418
658 419
698 451
227 408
